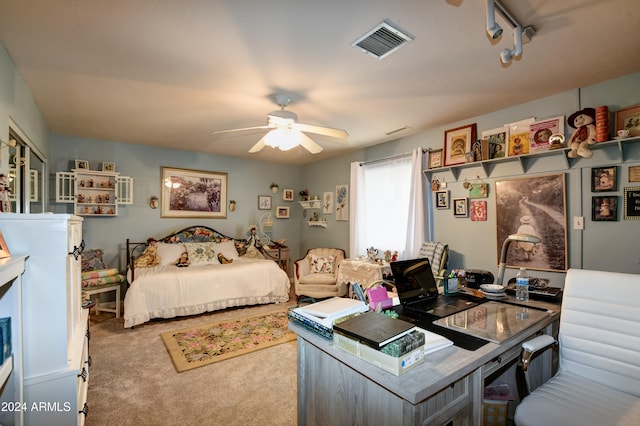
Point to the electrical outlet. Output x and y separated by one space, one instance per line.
578 222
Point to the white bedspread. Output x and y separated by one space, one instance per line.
168 291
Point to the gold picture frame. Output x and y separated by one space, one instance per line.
190 193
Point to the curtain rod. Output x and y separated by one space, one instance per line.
393 157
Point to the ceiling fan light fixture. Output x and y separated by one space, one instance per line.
282 139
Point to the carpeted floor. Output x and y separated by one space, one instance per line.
133 381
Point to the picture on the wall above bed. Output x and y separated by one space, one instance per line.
536 206
194 193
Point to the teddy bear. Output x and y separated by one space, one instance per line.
583 122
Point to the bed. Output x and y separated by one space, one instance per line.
196 270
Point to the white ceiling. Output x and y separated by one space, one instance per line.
170 73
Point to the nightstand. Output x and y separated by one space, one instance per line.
278 254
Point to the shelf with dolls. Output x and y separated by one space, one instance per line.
618 151
93 192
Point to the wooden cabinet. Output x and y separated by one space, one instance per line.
11 370
92 192
55 327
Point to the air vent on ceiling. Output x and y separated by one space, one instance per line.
383 40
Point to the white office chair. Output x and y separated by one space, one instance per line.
598 381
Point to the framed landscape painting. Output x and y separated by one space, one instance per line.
193 193
536 206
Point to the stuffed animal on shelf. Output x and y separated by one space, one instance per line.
584 135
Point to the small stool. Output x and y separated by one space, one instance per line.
103 289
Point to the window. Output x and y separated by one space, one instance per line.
387 206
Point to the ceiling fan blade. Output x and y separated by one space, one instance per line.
320 130
218 132
309 144
257 147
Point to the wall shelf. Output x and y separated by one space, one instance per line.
310 204
319 223
615 151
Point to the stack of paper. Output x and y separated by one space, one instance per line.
320 317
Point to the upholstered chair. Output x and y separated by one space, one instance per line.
438 255
315 275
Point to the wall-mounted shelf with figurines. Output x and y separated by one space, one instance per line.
588 145
311 204
317 221
94 192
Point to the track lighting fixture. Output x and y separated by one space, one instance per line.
495 31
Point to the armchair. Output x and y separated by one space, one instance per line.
315 275
598 380
438 255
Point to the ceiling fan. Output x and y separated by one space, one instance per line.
286 133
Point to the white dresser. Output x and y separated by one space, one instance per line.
55 327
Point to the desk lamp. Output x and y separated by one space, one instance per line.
525 238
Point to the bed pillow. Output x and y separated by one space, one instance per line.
228 249
322 264
202 254
169 253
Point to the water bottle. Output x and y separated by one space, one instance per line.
522 285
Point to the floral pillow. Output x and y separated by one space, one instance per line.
202 254
322 264
92 260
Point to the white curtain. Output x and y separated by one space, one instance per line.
416 212
387 210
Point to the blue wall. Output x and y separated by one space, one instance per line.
602 245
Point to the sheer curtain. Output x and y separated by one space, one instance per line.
387 209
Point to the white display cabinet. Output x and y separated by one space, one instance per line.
92 192
55 327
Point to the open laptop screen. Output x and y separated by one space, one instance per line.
414 279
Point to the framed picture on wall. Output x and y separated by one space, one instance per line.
536 206
442 199
264 202
457 142
604 179
460 207
287 194
282 212
193 193
629 119
632 203
604 209
435 158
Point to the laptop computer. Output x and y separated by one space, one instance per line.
418 292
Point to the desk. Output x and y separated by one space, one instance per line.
335 387
364 273
279 255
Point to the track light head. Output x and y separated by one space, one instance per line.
506 55
495 32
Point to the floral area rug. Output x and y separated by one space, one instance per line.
205 344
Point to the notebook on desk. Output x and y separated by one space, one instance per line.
418 292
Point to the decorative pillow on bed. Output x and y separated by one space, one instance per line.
228 249
202 253
92 260
322 264
169 253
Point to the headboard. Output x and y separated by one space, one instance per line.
191 234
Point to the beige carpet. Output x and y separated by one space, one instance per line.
195 347
133 382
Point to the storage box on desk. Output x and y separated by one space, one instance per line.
397 366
